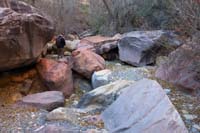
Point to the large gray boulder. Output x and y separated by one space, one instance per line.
140 48
24 32
143 107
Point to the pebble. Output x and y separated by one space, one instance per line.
196 126
184 111
118 64
167 91
189 116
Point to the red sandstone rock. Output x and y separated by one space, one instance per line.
86 62
56 75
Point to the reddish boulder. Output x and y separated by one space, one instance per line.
56 75
24 33
99 44
86 62
182 67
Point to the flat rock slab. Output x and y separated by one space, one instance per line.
47 100
143 108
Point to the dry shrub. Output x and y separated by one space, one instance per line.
189 16
68 15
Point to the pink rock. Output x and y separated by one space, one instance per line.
48 100
182 68
24 33
99 44
56 75
86 62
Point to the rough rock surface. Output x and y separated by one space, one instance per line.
99 44
48 100
56 75
140 48
67 114
143 108
87 62
82 84
24 32
182 67
104 95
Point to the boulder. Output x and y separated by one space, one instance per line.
86 62
64 114
182 67
140 48
99 44
48 100
24 32
104 95
101 78
143 107
56 75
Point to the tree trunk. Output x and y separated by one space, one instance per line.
108 9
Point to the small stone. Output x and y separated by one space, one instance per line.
196 127
167 91
189 116
16 97
184 111
118 64
67 53
75 103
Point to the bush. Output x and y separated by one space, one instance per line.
68 15
189 16
131 14
181 15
